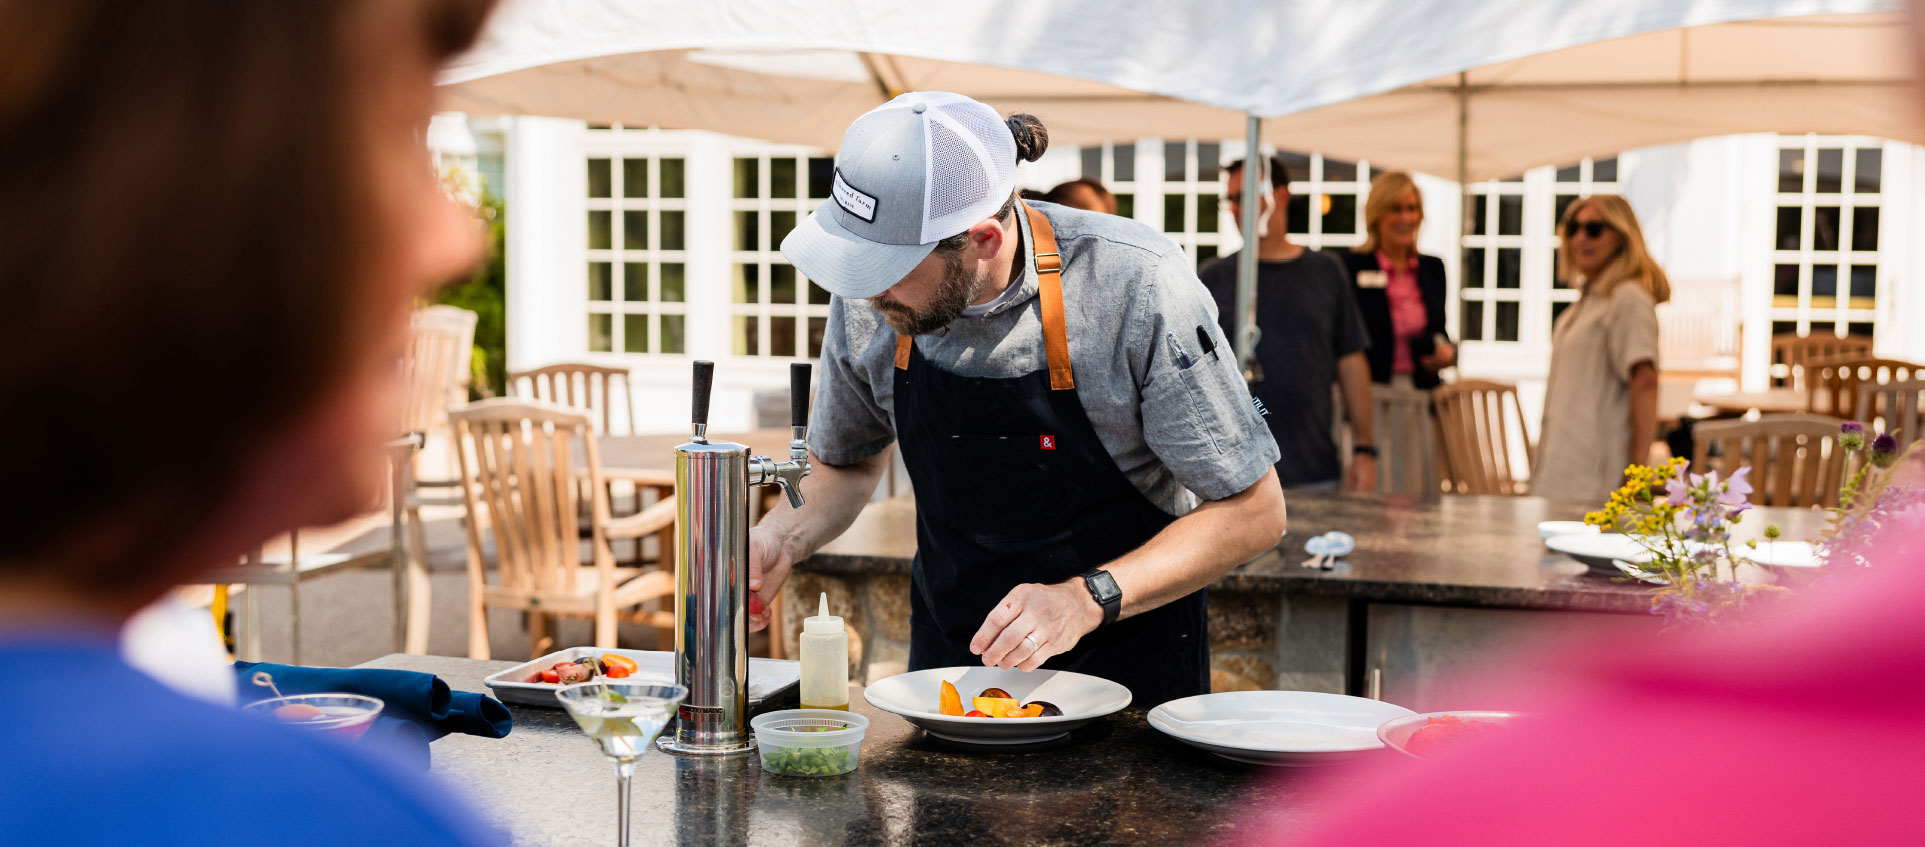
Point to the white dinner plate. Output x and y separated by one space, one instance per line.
1598 551
1783 554
1285 728
917 696
1553 529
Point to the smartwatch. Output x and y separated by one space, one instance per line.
1364 450
1102 589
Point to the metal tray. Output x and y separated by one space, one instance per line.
769 679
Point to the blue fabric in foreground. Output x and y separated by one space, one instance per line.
419 707
100 754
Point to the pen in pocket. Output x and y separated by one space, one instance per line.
1183 360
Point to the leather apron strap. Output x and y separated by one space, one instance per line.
1049 294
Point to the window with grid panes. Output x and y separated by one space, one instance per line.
1191 204
637 264
1825 245
1490 298
1113 165
1326 200
774 310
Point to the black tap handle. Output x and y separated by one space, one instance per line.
704 378
799 394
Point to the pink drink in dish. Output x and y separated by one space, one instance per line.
346 716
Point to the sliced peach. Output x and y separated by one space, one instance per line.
1033 710
997 707
951 700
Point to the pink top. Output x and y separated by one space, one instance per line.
1808 728
1407 317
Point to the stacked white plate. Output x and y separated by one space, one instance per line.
1283 728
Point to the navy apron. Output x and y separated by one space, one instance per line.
1013 486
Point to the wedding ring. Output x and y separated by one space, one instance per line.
1033 643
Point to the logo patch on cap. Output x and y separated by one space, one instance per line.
851 200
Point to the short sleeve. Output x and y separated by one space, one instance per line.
1633 335
1350 335
847 423
1198 416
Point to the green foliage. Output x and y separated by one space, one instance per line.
485 294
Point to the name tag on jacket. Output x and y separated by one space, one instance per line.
1372 279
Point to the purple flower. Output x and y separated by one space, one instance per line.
1737 490
1885 450
1676 491
1851 436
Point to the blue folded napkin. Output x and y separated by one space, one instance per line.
418 707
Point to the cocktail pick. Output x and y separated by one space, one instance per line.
263 679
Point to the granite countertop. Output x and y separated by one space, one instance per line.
1117 781
1457 551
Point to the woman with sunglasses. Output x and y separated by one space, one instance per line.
1601 399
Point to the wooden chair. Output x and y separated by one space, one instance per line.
589 388
1894 407
520 456
437 371
1832 385
1790 352
1795 459
1482 424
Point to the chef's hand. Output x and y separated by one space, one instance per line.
1363 473
769 565
1055 616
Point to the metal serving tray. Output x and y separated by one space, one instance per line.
769 679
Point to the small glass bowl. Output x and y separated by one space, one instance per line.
809 742
345 715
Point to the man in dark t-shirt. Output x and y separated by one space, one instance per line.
1311 336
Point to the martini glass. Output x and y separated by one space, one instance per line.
623 717
346 715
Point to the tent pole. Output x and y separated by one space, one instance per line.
1463 157
1246 318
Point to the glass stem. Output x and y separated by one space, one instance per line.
623 771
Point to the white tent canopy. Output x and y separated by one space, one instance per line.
1101 70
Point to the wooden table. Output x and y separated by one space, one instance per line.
1773 401
650 459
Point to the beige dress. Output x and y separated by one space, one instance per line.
1586 432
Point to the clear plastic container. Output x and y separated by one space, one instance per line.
809 742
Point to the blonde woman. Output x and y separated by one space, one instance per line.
1601 400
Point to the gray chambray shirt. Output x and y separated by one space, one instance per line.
1170 416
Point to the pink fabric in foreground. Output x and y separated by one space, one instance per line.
1806 730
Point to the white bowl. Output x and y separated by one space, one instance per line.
1284 728
916 696
1553 529
1396 733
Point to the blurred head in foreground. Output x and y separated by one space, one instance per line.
213 220
1085 193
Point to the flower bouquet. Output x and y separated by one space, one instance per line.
1869 498
1683 520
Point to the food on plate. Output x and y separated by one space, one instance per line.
618 666
1443 732
611 665
992 703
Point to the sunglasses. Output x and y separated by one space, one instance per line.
1591 229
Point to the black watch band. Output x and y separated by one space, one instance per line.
1102 589
1364 450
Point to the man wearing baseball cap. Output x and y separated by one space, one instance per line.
1062 397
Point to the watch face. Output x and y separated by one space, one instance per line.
1103 586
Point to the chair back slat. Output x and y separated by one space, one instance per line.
1482 422
1790 353
436 369
1795 459
1892 407
1832 385
524 467
590 388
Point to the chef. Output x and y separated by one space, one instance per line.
1061 395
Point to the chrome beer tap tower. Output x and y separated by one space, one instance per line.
712 482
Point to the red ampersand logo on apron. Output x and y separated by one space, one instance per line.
1049 442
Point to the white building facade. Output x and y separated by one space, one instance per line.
649 249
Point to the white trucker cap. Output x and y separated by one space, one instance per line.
913 171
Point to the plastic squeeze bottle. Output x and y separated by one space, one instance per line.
825 660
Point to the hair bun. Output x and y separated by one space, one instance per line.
1031 137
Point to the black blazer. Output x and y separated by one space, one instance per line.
1374 305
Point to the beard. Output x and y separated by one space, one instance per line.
954 292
